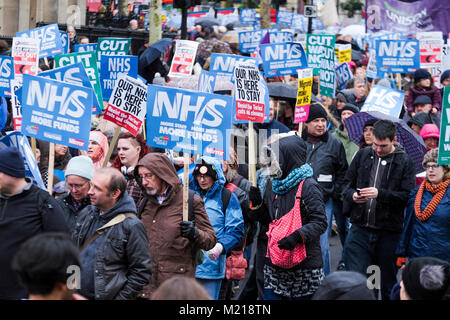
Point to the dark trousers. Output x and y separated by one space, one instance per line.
367 247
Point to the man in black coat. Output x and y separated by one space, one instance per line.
25 210
116 263
377 186
326 155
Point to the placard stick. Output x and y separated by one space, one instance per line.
144 133
399 81
51 167
300 128
187 160
251 154
111 146
33 147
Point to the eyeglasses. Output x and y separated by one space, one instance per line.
202 176
431 166
76 186
147 176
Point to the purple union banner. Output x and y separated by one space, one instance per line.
408 16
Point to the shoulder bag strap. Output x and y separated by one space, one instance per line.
116 220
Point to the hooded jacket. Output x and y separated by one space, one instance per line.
393 176
119 259
229 228
430 238
292 155
329 162
171 253
70 212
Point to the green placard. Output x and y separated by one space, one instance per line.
327 67
314 47
113 47
444 139
90 64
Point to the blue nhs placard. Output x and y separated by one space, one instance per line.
49 38
397 56
56 111
385 100
188 121
283 58
73 74
111 66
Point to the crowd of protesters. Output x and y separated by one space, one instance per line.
121 222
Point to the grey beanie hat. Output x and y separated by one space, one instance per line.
80 166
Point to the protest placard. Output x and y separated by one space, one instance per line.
223 64
128 104
444 139
305 82
249 41
188 121
73 74
113 47
16 84
248 16
20 141
314 47
64 42
398 56
25 53
284 17
249 92
343 74
344 52
327 68
48 37
385 100
206 82
111 67
283 59
298 23
430 52
56 111
183 59
85 47
6 75
372 70
90 65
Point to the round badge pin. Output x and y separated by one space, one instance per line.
383 163
203 170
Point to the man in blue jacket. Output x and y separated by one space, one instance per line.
228 224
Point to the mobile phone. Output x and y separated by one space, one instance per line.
358 191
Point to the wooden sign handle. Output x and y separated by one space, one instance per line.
51 167
111 146
187 160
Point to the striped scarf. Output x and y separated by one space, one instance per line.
293 179
438 192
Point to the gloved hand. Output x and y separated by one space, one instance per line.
215 252
254 196
289 242
188 230
401 261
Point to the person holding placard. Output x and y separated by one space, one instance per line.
172 241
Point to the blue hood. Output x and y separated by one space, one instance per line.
217 165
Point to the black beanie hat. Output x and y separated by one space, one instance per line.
202 167
11 162
445 75
420 119
351 107
316 111
426 278
421 74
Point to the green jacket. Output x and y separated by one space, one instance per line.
350 147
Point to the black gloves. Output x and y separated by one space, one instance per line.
188 230
289 242
254 196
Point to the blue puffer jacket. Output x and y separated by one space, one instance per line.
229 228
430 238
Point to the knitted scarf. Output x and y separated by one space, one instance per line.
293 179
438 191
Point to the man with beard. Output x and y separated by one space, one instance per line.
172 241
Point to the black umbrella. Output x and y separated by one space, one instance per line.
207 22
281 90
153 52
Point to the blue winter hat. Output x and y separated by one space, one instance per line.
445 75
80 166
11 162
